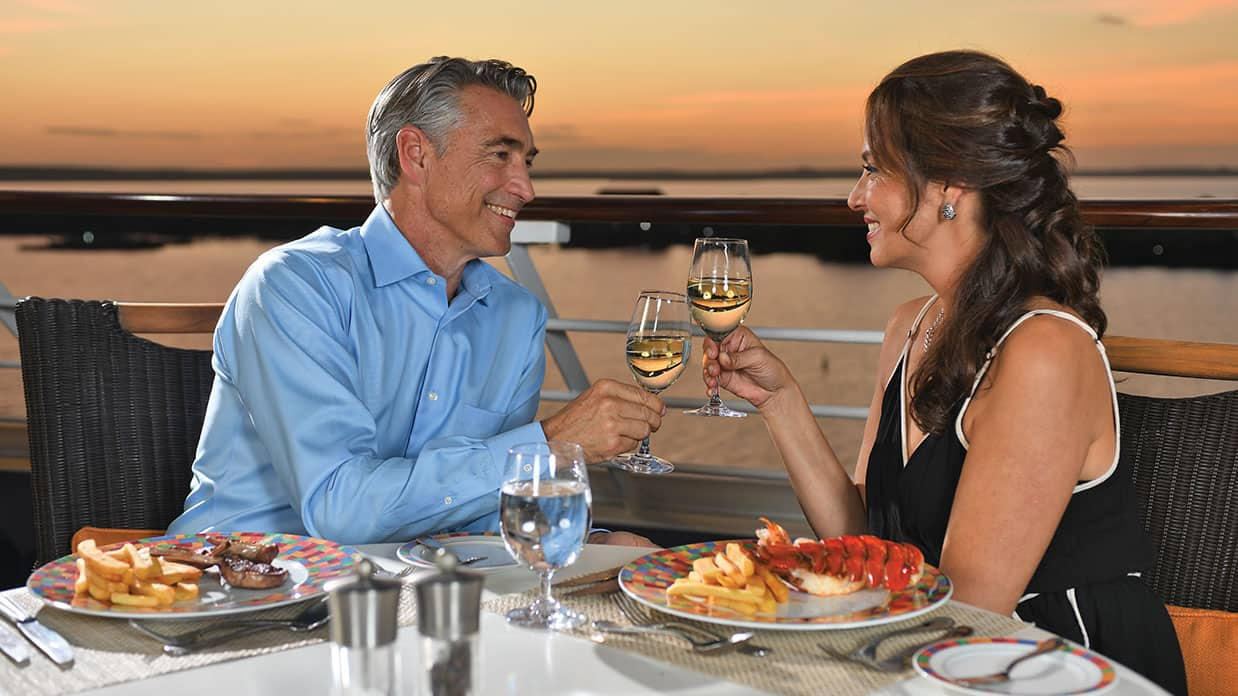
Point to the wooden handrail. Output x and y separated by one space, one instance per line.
1214 214
1154 356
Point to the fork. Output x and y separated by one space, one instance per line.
867 653
1047 645
642 617
396 574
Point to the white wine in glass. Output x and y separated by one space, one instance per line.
544 515
658 343
719 293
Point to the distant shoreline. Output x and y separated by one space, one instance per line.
37 173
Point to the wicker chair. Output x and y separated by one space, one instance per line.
113 418
1183 454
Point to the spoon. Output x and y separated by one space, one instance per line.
314 615
1045 646
434 545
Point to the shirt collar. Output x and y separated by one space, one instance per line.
393 258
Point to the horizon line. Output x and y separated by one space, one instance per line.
52 173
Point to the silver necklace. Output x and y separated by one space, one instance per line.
928 333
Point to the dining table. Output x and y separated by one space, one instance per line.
114 659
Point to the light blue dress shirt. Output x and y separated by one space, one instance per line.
353 403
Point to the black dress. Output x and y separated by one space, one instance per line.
1086 587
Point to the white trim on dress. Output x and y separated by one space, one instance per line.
1113 390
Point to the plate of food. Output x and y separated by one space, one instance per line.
486 547
1069 670
191 575
774 583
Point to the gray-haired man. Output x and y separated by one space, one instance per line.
368 382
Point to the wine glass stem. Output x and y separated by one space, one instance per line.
548 601
644 448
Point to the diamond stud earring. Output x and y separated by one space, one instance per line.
947 211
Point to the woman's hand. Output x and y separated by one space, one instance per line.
743 366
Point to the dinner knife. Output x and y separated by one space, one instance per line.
50 642
13 646
598 576
603 587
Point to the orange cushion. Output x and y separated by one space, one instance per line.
1209 640
104 536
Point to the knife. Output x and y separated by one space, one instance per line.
13 646
605 587
50 642
598 576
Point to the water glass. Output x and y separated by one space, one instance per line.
544 515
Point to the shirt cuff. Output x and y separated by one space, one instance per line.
499 444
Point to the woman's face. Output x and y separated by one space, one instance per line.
882 197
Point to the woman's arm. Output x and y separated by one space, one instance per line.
1039 418
831 500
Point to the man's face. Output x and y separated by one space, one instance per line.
474 190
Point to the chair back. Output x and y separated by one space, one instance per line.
1183 457
113 418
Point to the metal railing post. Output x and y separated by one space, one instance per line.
525 273
8 305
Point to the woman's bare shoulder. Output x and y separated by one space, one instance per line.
1050 348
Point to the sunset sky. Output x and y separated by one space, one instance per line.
681 84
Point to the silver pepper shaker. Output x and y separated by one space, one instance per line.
448 615
365 660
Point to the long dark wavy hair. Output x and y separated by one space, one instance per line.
965 118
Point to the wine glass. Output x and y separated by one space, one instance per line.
659 340
544 514
719 294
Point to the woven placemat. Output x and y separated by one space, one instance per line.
797 664
110 651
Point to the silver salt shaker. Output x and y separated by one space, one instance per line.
365 659
448 614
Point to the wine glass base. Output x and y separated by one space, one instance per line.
643 464
561 619
720 411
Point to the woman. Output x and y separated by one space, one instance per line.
991 441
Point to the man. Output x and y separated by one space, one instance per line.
368 382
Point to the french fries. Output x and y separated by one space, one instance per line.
131 576
732 580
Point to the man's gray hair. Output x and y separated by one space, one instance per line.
425 96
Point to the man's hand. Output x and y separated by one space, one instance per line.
606 419
621 539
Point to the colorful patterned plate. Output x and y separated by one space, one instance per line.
310 564
647 578
1071 670
489 545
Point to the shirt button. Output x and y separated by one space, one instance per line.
431 280
447 500
433 396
